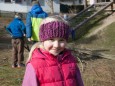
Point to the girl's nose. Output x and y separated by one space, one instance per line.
56 44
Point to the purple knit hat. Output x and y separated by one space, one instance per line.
54 29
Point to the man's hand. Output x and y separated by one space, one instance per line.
29 39
24 35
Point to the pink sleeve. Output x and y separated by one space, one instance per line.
30 78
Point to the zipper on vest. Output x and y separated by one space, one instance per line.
59 63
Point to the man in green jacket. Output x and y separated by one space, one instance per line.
33 20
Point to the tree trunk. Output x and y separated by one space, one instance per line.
50 4
85 4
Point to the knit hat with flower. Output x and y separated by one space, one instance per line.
54 27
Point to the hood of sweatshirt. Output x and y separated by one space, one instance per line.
36 9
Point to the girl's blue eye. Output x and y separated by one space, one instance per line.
51 39
62 40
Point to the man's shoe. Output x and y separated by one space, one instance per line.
21 65
14 66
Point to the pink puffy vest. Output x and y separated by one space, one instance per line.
53 72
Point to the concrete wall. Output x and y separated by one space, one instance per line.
77 2
25 6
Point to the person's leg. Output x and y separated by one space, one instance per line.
20 52
34 42
14 53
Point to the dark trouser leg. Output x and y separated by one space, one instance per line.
14 52
20 50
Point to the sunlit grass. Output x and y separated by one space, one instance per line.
10 76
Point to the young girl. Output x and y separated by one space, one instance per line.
50 63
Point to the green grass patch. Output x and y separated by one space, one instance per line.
110 35
10 76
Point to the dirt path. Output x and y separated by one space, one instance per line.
106 22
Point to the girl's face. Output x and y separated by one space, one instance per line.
55 45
